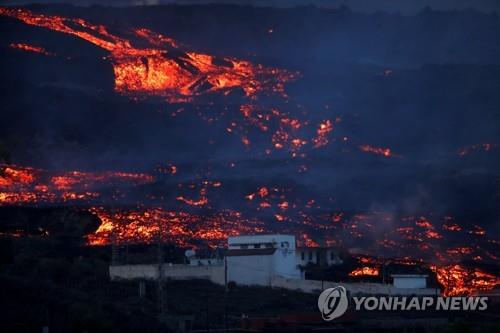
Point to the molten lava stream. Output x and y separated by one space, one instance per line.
459 280
163 69
181 228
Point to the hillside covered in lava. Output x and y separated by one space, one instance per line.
379 132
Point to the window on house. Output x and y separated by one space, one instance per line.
332 255
310 256
257 246
302 255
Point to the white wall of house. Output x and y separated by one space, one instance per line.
213 273
285 264
260 258
250 270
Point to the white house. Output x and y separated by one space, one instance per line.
271 261
256 260
413 281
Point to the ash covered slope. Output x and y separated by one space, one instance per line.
423 86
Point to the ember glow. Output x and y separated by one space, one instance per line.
322 134
30 48
485 147
376 150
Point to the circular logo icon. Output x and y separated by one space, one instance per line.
333 302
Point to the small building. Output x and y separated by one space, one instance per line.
256 260
410 281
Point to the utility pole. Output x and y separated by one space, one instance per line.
114 238
115 224
161 291
114 249
383 270
226 290
207 327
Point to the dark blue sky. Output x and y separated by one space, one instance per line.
404 6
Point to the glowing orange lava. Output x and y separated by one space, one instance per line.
164 69
182 228
459 280
25 185
365 271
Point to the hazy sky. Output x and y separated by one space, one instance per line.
404 6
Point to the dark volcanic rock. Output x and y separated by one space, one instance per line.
71 223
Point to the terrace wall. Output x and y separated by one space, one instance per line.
314 286
214 273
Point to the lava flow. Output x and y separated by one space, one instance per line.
164 69
269 209
460 280
27 185
182 228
